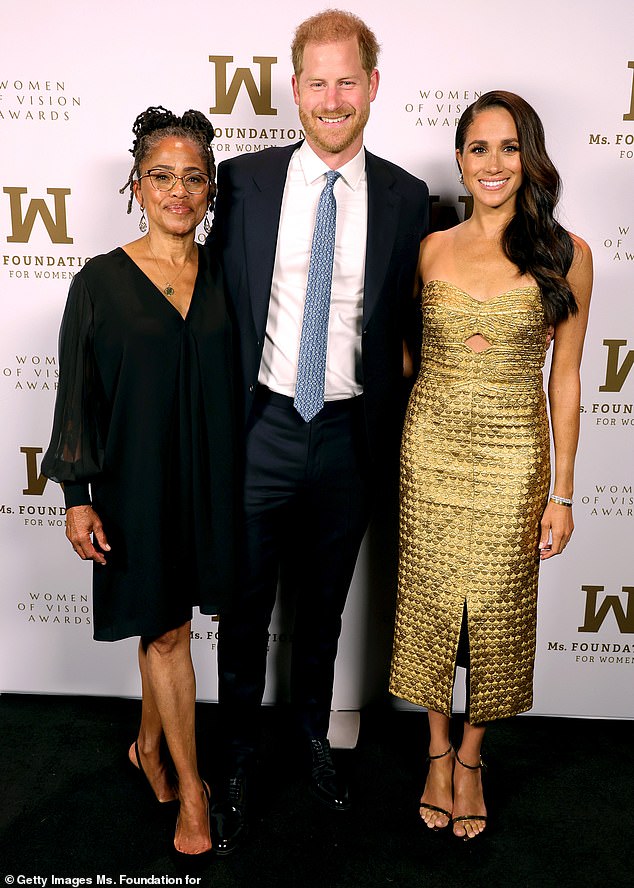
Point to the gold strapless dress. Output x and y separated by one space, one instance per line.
475 473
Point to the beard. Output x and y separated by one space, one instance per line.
337 140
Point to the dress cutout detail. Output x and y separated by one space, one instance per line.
475 474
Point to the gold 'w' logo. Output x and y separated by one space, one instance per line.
22 224
594 616
226 96
35 481
616 375
630 114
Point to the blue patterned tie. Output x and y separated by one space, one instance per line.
311 365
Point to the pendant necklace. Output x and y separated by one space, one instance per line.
168 290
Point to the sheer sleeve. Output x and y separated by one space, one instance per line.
75 453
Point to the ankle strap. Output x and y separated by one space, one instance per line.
470 767
431 758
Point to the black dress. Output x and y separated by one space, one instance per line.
144 415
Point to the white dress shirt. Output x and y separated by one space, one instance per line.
305 181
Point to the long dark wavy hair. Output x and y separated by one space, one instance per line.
533 240
157 123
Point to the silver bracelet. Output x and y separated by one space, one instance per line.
561 500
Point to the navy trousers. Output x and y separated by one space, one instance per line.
306 509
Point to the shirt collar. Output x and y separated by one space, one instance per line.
313 167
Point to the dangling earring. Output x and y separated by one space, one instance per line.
143 221
207 223
460 179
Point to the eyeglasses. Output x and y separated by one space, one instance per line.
164 180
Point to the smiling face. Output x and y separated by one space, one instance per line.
175 212
490 159
333 93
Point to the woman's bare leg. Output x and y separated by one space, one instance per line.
468 798
170 674
438 786
149 739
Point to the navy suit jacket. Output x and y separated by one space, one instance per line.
246 221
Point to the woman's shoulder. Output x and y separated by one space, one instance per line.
100 264
433 246
582 256
93 281
209 266
438 240
583 253
580 273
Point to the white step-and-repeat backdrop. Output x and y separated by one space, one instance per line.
73 76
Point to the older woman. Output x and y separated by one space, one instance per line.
476 515
143 444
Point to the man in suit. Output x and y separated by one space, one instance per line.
320 341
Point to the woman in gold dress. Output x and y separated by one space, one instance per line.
476 516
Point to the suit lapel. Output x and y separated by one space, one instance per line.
262 208
383 210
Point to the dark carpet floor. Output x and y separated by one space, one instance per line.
560 794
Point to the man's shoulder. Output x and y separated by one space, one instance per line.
267 158
400 175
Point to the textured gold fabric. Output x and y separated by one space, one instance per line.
475 472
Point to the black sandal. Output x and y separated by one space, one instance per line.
435 808
479 767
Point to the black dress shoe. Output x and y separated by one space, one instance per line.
229 817
328 786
